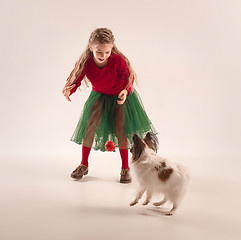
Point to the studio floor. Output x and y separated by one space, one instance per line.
39 201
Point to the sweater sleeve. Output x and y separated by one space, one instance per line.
125 73
77 82
128 88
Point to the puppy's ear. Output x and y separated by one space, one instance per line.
151 141
137 147
135 137
164 172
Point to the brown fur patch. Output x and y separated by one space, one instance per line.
163 164
164 173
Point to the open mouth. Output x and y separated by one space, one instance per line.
101 60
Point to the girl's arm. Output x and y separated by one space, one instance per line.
69 89
125 74
77 83
130 86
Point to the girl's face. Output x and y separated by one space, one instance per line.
101 53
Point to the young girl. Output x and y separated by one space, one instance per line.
113 110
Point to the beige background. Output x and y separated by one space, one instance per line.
187 55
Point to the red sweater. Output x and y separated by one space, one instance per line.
110 80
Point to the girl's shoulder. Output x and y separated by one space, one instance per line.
118 58
90 58
89 62
116 55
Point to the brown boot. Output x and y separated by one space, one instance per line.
79 171
125 176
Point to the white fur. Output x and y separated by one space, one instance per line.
146 172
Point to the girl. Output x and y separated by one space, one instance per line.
113 110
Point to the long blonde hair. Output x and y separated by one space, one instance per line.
99 36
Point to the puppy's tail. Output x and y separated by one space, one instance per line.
185 172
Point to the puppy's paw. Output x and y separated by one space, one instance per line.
133 203
157 204
169 213
145 203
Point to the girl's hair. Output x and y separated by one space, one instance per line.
99 36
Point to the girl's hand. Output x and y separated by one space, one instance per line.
122 96
66 92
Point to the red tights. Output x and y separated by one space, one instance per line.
123 154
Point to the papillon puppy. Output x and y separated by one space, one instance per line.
155 174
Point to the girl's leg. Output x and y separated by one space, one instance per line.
94 118
122 141
85 155
124 158
120 133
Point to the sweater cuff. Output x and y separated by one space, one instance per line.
128 91
73 90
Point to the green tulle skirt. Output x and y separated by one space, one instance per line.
102 120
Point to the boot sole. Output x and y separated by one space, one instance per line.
78 178
125 181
